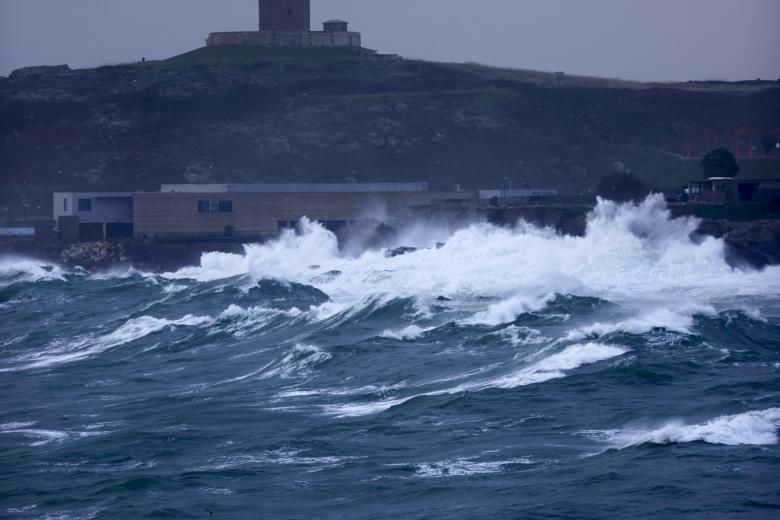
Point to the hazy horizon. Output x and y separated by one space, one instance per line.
662 40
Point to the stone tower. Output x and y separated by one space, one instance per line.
285 15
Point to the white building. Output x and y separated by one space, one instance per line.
109 215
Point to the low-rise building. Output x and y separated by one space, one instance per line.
728 190
511 197
256 211
93 216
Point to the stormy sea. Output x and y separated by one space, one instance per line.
492 372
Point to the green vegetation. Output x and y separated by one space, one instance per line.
719 163
242 114
622 187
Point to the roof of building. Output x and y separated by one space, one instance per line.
732 179
96 194
352 187
524 192
336 20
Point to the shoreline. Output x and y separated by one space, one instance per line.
750 243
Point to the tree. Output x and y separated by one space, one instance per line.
719 163
622 187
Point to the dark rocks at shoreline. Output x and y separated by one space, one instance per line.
754 244
94 255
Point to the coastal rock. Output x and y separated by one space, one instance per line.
399 251
755 243
93 255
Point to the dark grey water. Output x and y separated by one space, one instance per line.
509 374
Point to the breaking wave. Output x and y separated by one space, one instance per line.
466 368
751 428
630 252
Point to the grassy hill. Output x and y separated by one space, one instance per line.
242 114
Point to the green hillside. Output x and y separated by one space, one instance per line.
245 115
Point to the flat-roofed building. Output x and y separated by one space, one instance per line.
728 190
249 211
96 215
511 197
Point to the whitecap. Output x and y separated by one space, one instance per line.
407 333
465 467
128 332
750 428
552 367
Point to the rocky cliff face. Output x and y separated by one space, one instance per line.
248 115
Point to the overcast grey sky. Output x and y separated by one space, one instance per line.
632 39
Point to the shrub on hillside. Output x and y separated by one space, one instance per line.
622 187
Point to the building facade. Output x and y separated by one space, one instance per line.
511 197
728 190
260 211
94 216
287 24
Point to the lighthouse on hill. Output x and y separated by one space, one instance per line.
287 24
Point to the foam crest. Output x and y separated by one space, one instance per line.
751 428
552 367
549 368
464 467
678 319
298 362
42 437
407 333
630 252
16 270
241 321
130 331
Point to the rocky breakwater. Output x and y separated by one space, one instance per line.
94 255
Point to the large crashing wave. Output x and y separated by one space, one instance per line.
630 251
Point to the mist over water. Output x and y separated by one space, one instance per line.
493 372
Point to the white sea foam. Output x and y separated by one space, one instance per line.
464 467
749 428
298 362
244 321
17 269
281 457
407 333
518 336
552 367
679 318
130 331
630 252
42 437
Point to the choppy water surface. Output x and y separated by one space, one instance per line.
512 373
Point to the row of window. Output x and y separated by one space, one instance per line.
215 206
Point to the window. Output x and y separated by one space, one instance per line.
214 206
85 204
64 204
